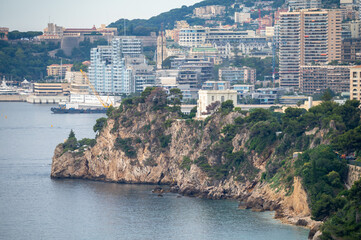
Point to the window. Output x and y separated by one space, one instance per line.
222 99
354 74
212 98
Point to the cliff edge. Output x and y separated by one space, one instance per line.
232 154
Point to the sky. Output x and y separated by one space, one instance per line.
34 15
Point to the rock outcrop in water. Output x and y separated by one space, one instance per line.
144 141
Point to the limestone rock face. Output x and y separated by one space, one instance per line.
354 174
67 164
142 144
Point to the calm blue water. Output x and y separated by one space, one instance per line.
33 206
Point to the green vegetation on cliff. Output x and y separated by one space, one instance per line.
72 144
235 145
323 173
345 223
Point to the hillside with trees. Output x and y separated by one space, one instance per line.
21 59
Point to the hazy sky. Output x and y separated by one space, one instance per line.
25 15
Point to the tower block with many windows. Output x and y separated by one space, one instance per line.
307 37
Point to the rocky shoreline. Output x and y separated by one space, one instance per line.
256 196
143 146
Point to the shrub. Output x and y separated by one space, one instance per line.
262 134
165 140
258 115
87 142
168 123
110 111
71 143
322 174
186 163
239 120
100 124
126 146
227 106
115 127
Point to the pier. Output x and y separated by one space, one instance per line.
33 99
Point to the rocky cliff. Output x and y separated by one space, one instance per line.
145 142
354 174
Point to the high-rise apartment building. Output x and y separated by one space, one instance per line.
355 83
107 71
307 37
315 78
334 35
351 50
198 35
290 46
143 75
244 74
303 4
192 37
128 46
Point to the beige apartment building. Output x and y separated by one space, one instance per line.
51 89
207 12
58 70
306 37
355 83
334 35
78 83
316 78
241 17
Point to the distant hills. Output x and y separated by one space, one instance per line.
143 27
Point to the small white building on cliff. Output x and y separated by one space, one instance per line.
207 97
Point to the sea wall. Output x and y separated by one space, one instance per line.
12 98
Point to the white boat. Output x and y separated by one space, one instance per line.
6 90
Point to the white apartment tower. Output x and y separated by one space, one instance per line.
128 45
107 71
303 4
307 37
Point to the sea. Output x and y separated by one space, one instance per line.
34 206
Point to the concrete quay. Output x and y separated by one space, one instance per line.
13 98
46 99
